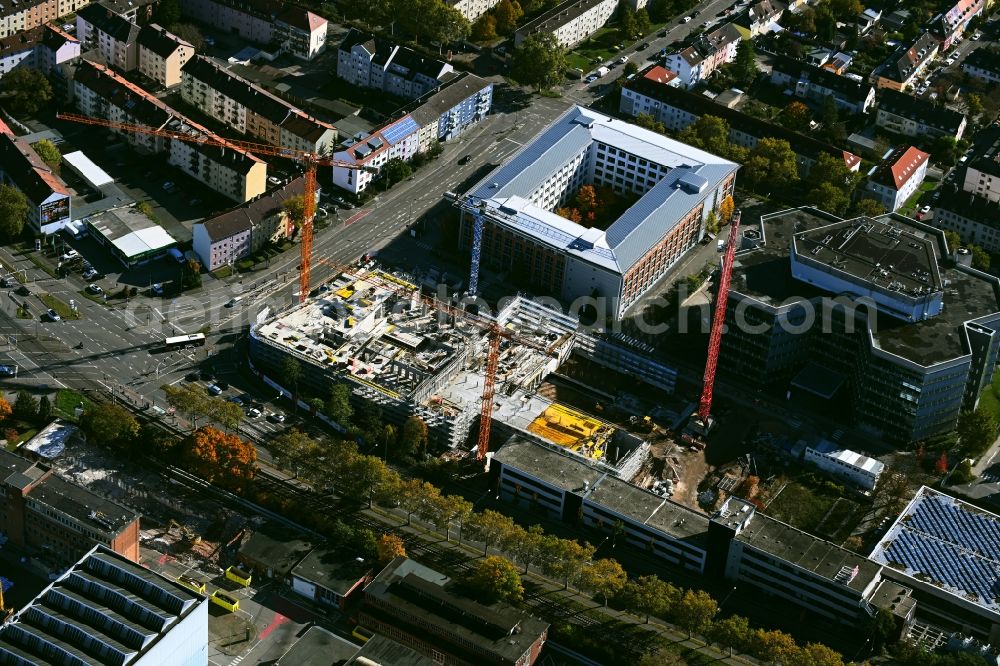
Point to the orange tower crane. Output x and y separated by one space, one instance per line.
310 160
493 329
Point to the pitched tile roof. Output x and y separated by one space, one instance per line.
429 107
846 88
301 19
903 63
380 49
896 169
24 40
159 41
54 37
25 168
660 74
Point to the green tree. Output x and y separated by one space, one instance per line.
293 449
449 510
368 419
27 90
13 212
189 401
829 197
647 121
484 29
540 61
495 578
829 116
817 654
630 69
605 577
295 208
962 473
291 373
980 258
977 429
362 477
642 20
845 10
953 239
167 12
712 223
413 436
628 27
44 410
526 546
660 11
732 632
507 14
648 595
25 406
772 165
883 629
110 425
565 558
191 274
709 133
395 170
447 25
772 646
338 405
745 65
489 527
868 206
944 150
695 611
49 153
974 104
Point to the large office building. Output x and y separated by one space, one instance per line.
674 188
58 519
948 552
866 314
109 610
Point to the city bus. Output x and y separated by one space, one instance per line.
227 601
184 341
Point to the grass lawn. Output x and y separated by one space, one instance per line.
67 400
989 400
800 506
222 272
600 45
913 202
61 308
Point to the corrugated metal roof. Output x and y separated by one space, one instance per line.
640 227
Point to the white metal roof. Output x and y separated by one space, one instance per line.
136 243
93 174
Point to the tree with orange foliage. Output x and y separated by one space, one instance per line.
726 209
586 198
390 547
941 466
5 409
570 214
220 457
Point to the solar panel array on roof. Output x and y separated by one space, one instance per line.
400 130
944 563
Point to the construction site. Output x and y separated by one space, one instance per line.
375 332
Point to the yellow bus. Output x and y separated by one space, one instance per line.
238 576
227 601
193 583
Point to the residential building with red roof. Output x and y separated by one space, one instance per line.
897 177
708 52
953 23
47 195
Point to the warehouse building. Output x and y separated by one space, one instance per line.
674 188
863 316
109 610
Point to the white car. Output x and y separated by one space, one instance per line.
925 210
623 59
949 62
253 413
69 256
94 289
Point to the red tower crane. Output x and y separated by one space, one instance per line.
718 323
310 160
494 330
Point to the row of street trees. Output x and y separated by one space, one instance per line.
194 403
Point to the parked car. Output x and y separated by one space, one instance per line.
157 289
623 59
214 390
276 417
53 315
94 289
643 46
207 375
8 370
222 385
235 400
926 209
169 186
686 19
89 274
465 159
253 413
70 255
6 282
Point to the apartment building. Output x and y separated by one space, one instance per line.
677 185
109 606
100 92
793 566
300 32
45 512
56 47
252 20
709 51
249 109
857 468
983 64
817 83
677 108
113 35
47 195
953 22
450 110
399 139
570 22
227 237
162 54
415 606
897 177
18 50
370 62
472 9
907 64
139 12
916 116
18 17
